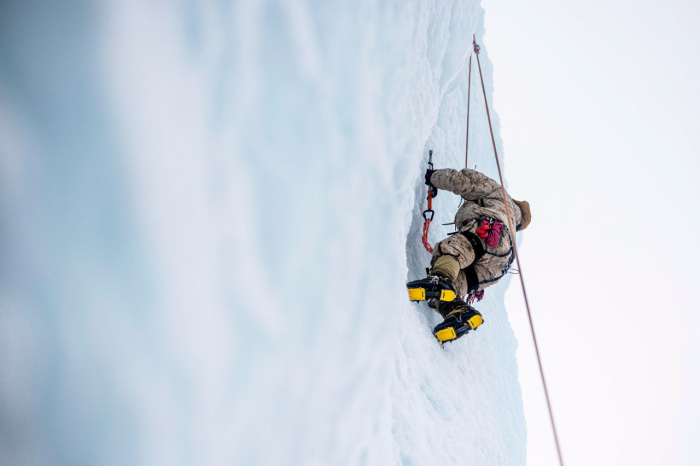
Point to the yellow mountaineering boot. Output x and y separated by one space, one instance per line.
431 287
437 286
460 319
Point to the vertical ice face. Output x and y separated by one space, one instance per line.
209 212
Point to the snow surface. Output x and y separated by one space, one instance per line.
209 212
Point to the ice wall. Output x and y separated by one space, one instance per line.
208 214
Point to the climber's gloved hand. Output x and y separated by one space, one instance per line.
428 174
432 189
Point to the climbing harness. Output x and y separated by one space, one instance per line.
429 213
517 259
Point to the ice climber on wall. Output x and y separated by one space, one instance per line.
478 255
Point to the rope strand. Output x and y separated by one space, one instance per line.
469 91
520 274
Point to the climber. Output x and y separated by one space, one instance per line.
473 258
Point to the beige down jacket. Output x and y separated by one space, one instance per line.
482 198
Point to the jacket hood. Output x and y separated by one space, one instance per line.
527 216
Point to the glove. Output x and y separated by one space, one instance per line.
432 189
428 174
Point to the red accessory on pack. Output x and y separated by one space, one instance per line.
483 230
494 234
490 232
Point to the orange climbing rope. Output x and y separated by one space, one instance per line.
520 269
426 225
432 192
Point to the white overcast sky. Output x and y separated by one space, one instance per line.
600 116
